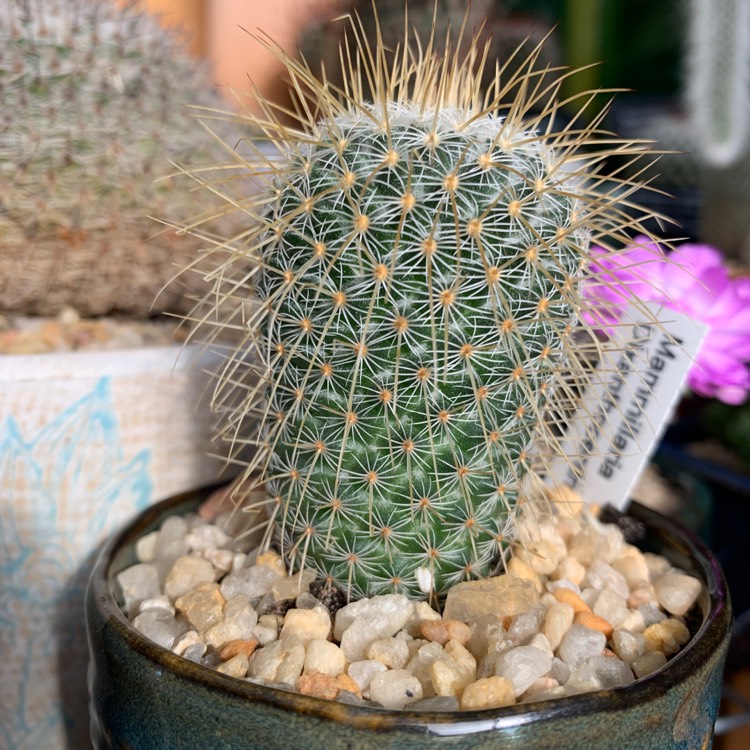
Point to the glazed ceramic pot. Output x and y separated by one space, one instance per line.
88 439
145 697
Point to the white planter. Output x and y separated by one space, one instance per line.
87 440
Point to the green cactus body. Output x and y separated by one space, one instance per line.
93 107
420 297
408 299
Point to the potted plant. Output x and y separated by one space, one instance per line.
413 348
101 407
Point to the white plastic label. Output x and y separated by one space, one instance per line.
625 411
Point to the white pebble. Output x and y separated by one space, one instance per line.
611 606
580 643
138 582
677 592
324 656
395 688
611 671
522 666
648 663
145 547
628 645
363 671
393 652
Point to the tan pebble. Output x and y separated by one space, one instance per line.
422 612
236 666
241 646
666 636
488 692
568 596
462 656
567 501
272 560
542 556
498 595
442 631
324 657
306 624
570 568
325 685
449 677
633 567
520 569
594 622
557 621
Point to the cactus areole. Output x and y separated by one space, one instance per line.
418 258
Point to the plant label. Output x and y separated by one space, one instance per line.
624 412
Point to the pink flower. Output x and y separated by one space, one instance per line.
696 283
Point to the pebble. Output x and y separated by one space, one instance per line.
579 643
307 624
203 606
523 666
503 595
488 692
392 652
188 572
363 671
239 621
648 663
444 630
138 583
578 609
231 649
677 592
324 685
235 667
395 688
325 657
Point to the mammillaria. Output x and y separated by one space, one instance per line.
409 294
94 105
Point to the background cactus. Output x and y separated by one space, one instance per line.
409 293
93 105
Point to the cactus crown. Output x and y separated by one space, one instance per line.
409 288
93 105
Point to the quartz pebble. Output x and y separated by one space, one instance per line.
578 609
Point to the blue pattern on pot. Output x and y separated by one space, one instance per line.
63 490
87 439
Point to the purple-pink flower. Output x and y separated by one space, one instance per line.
696 283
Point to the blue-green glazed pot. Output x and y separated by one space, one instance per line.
144 697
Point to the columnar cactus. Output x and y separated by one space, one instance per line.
419 263
93 106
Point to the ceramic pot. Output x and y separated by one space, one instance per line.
87 440
143 696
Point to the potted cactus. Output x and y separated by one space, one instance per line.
98 416
408 295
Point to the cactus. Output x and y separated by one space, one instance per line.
93 105
409 294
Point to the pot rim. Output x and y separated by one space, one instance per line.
707 640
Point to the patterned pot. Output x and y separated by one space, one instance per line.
145 697
87 440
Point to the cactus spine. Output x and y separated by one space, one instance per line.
419 263
93 106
